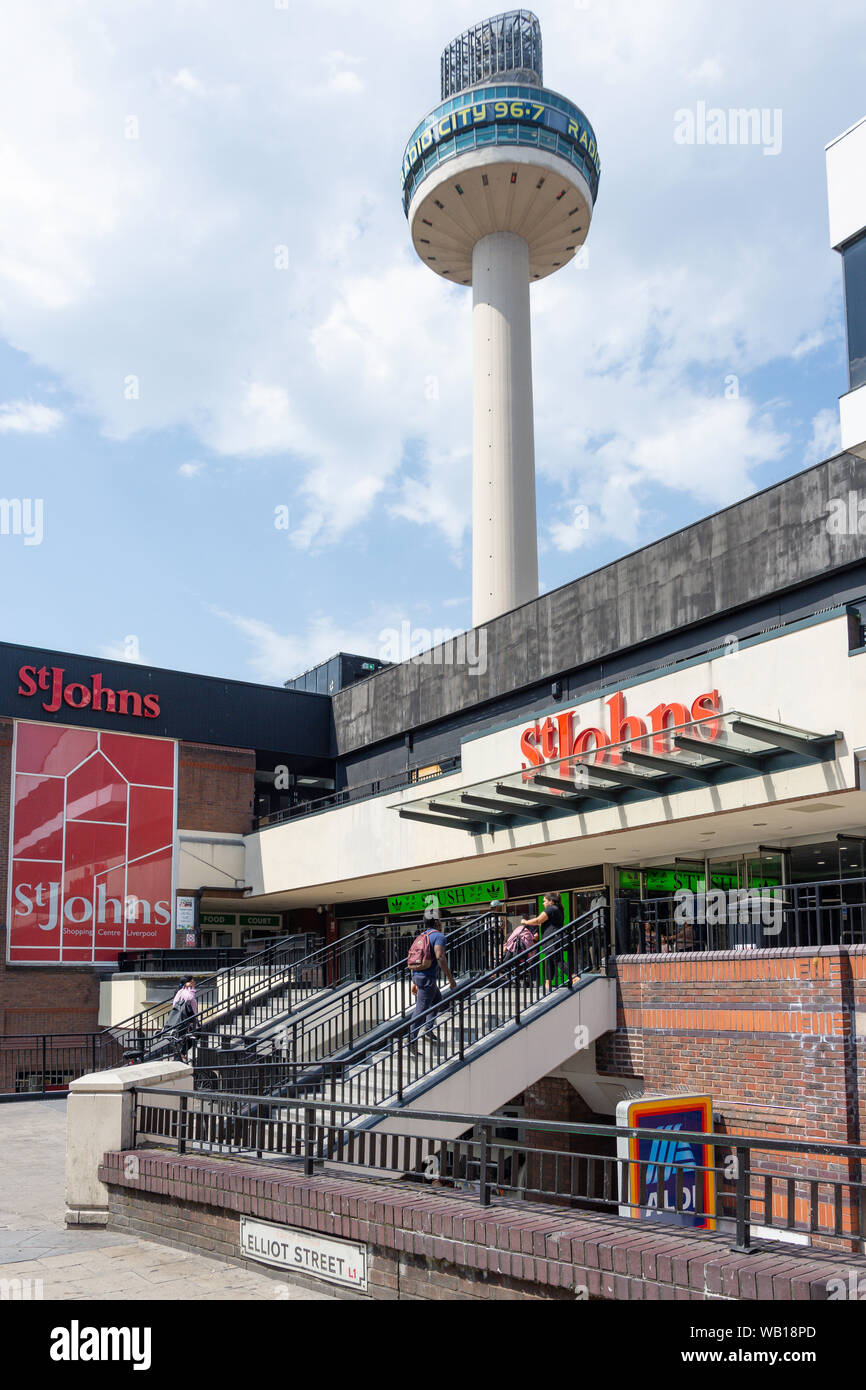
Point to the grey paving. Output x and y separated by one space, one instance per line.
41 1258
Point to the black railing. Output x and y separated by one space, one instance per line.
362 792
193 960
273 981
341 1020
405 1052
779 1185
831 912
43 1064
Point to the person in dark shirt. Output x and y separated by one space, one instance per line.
548 921
424 982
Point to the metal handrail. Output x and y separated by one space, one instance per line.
583 937
325 1131
42 1064
137 1025
312 1031
360 792
783 916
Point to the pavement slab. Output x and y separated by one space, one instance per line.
92 1265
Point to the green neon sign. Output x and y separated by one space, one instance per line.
466 895
670 880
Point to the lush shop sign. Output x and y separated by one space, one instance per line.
466 895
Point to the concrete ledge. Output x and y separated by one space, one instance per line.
86 1218
100 1116
423 1245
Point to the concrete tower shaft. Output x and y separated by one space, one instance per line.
504 546
499 185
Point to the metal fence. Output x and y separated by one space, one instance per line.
206 960
41 1064
270 983
361 792
778 1185
498 991
831 912
343 1019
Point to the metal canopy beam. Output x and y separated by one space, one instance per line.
540 798
461 812
436 820
819 748
624 779
673 769
737 756
590 793
508 812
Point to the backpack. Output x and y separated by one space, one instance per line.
420 955
519 940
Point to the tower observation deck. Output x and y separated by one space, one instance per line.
499 184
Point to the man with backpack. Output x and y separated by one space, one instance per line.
426 958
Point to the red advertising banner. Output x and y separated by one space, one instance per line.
92 844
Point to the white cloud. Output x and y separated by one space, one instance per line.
342 79
812 341
260 420
825 440
124 649
191 469
439 500
710 70
187 82
28 417
276 657
154 256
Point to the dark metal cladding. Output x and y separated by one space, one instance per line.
506 45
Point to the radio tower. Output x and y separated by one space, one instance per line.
499 184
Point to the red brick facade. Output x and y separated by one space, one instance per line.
425 1245
215 788
770 1035
46 999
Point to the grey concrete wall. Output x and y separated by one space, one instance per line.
769 543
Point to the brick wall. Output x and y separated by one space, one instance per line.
425 1246
771 1035
42 999
554 1098
215 788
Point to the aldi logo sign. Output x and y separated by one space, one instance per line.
657 1161
91 844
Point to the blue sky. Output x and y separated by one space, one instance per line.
165 385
